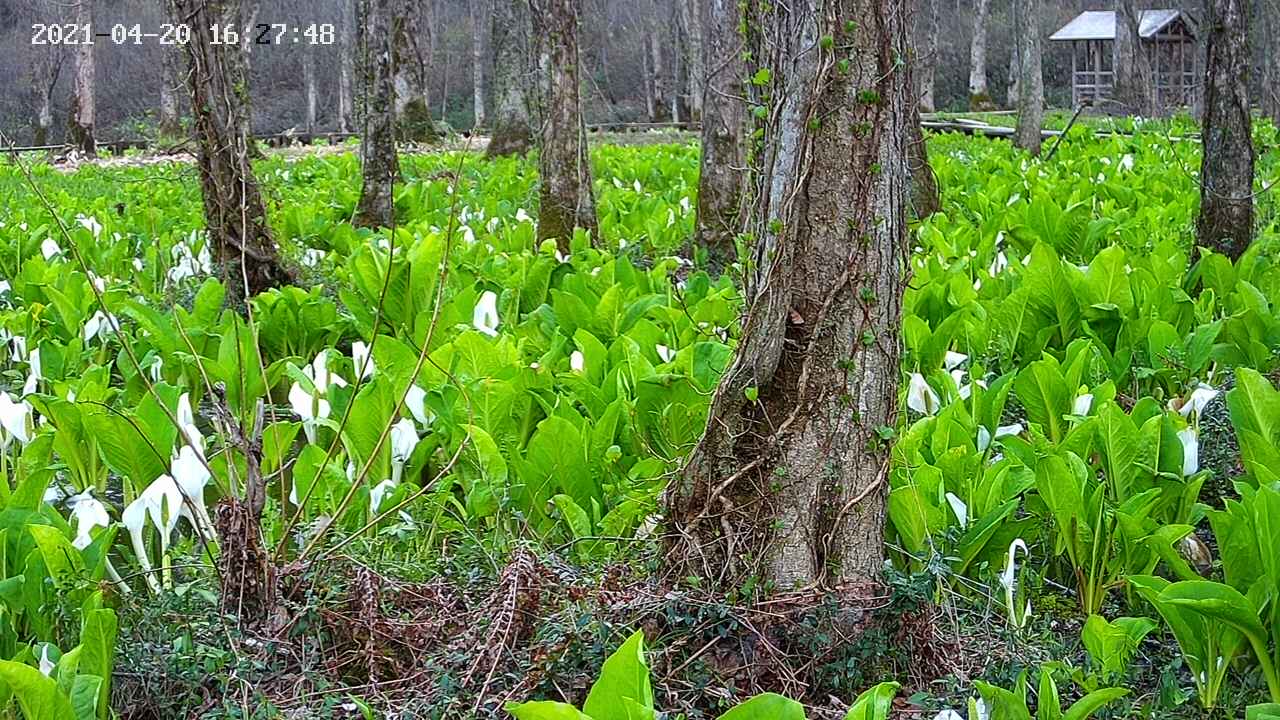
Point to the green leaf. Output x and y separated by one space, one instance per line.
874 704
1091 703
38 696
766 706
98 650
624 675
545 710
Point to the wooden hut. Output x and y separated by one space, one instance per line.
1167 38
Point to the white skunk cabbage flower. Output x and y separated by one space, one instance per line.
959 508
921 397
379 493
404 438
576 361
88 513
1009 580
98 325
312 257
998 264
191 475
665 353
134 519
1190 451
1008 430
362 360
319 375
1082 404
522 216
50 249
953 360
984 438
485 317
35 375
46 665
19 344
15 420
1198 400
91 224
186 418
948 715
155 368
311 409
416 401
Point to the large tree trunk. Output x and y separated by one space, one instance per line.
379 162
720 180
46 65
1270 100
479 14
1133 90
514 79
1226 171
1015 69
83 111
979 95
566 198
925 198
409 74
697 69
235 218
1030 75
926 58
169 122
787 487
658 111
346 65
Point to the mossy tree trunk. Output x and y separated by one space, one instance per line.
515 80
925 57
724 115
235 217
566 197
1226 171
380 163
1133 91
1026 21
787 487
83 108
979 95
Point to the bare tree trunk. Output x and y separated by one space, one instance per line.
46 65
1015 71
1226 171
309 86
787 487
721 176
1030 75
247 17
409 66
170 123
379 162
347 50
1133 89
479 52
925 198
83 111
1201 58
659 111
697 69
515 79
1270 100
566 197
235 218
926 59
979 96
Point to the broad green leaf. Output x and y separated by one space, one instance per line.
766 706
38 696
874 704
625 674
545 710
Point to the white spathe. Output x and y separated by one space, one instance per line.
312 410
953 360
134 519
362 360
921 397
960 509
1009 579
88 513
50 249
15 420
416 401
46 665
576 361
1198 400
1190 451
404 438
192 476
485 317
665 353
379 493
1082 404
98 325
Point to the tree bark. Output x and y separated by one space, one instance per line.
1133 89
346 66
1015 71
1226 171
514 79
478 54
658 111
83 109
235 217
1030 75
925 198
310 89
721 176
926 58
169 123
46 65
1270 100
979 95
379 162
787 486
409 66
566 197
697 69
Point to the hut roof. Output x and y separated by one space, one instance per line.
1101 24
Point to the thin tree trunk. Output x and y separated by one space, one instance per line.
721 177
925 198
45 67
310 89
927 57
379 162
1226 171
1133 89
1030 75
514 79
697 69
478 54
169 123
979 96
235 217
566 197
659 112
83 109
1015 71
346 51
787 486
1270 100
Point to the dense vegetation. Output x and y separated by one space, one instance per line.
1084 471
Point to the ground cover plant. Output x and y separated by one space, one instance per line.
464 435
